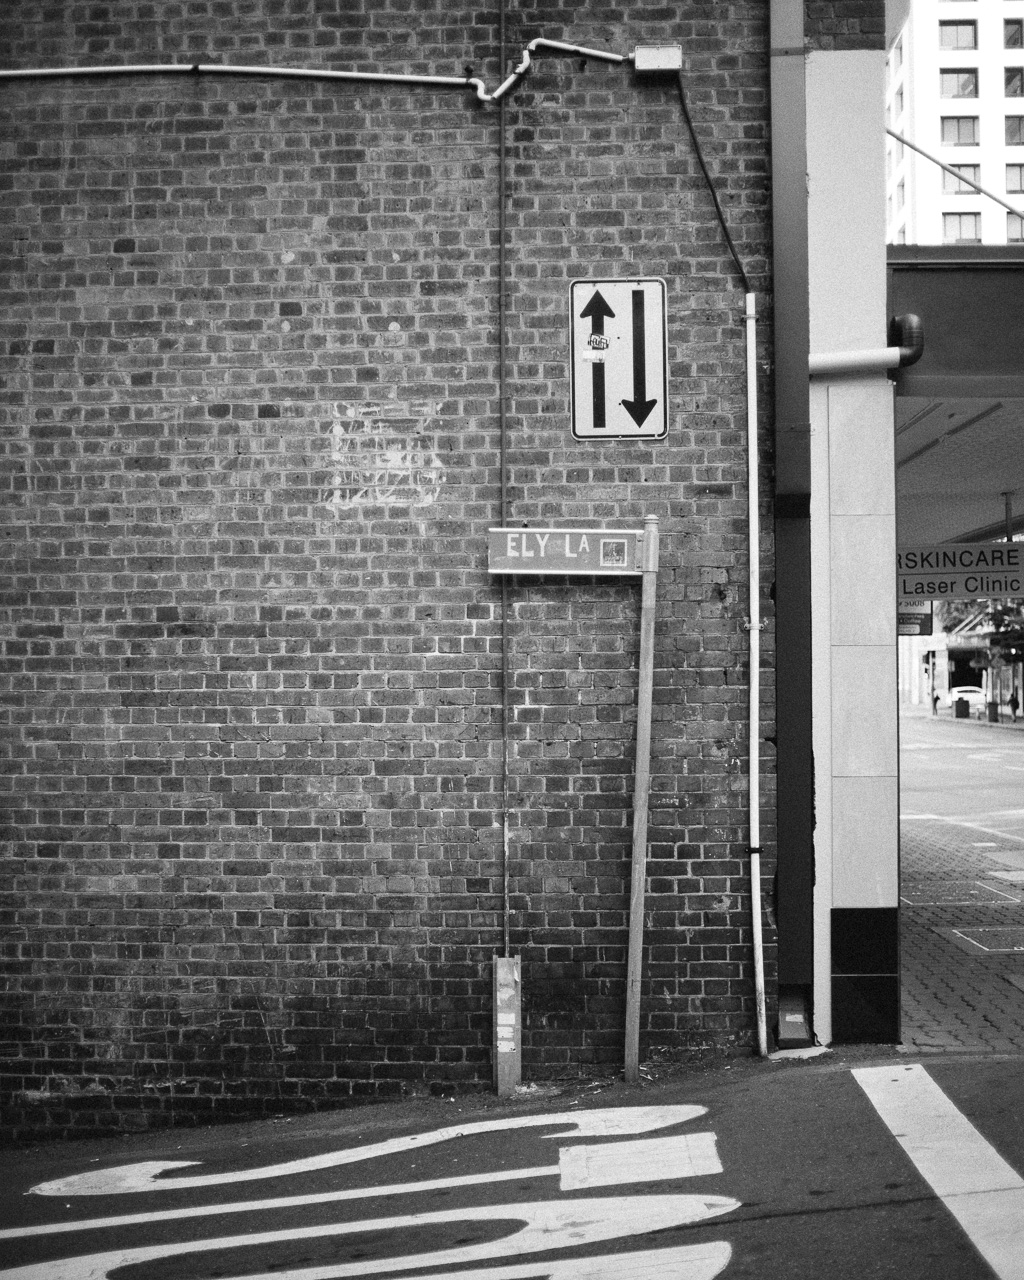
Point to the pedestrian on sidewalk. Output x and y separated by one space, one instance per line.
1014 704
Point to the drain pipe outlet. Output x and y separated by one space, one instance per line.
906 333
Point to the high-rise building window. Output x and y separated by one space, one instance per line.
1013 33
961 228
1014 228
960 131
1015 131
1015 177
953 186
958 35
1014 78
958 84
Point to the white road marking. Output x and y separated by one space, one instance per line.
579 1168
647 1160
145 1176
546 1225
685 1262
279 1202
970 826
982 1192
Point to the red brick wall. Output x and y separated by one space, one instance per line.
252 709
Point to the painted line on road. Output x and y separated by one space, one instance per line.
542 1226
982 1192
579 1168
977 826
147 1174
684 1262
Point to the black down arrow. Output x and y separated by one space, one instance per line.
639 407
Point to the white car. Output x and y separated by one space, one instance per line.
974 695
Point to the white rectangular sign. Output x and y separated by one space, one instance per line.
914 618
961 571
619 355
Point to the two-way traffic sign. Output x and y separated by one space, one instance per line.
619 359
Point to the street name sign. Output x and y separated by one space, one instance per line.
960 571
588 551
619 357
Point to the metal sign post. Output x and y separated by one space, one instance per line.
641 791
601 552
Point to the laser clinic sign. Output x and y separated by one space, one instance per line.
960 571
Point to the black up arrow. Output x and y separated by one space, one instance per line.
595 311
639 407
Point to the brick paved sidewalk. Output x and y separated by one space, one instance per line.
961 934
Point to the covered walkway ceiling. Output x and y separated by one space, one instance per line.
960 409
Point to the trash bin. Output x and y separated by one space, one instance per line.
993 712
962 709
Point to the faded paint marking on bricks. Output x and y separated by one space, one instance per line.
381 461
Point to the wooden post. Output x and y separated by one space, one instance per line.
641 788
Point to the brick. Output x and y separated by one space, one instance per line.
252 655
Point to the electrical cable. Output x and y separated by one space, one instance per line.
710 185
753 623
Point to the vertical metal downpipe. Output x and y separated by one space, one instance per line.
754 625
503 499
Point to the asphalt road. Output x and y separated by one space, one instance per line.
965 772
767 1169
962 883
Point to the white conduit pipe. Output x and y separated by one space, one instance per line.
558 46
872 360
300 73
754 682
217 68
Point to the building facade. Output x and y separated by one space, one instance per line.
956 88
286 765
